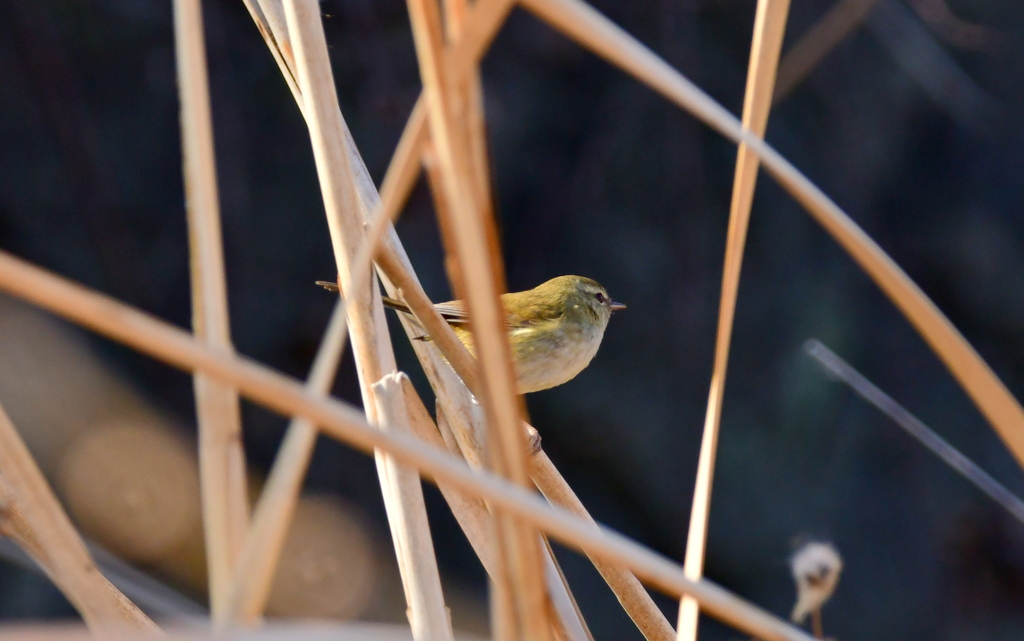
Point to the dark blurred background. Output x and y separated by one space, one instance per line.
914 132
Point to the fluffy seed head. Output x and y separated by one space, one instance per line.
816 567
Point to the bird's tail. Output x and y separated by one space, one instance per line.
396 305
388 302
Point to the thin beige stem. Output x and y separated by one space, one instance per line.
816 43
470 235
221 457
766 44
582 23
288 396
268 14
273 513
370 341
506 614
563 602
429 616
469 511
631 594
272 517
31 515
816 626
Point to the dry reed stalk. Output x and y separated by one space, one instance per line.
591 29
434 623
370 341
32 516
221 457
470 237
475 519
469 511
634 598
509 593
766 44
273 514
341 421
831 29
269 18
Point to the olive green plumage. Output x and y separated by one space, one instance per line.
554 329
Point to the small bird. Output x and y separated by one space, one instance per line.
554 329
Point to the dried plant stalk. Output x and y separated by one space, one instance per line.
221 457
635 600
287 396
831 29
585 25
429 616
31 515
769 29
370 342
272 517
273 513
470 237
469 511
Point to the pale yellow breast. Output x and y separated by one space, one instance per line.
546 358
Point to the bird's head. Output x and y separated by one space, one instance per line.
582 297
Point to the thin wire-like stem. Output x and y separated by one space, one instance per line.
221 457
470 238
593 30
31 515
288 396
370 340
816 43
766 44
952 457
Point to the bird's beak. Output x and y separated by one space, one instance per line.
616 306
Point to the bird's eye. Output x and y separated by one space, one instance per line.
601 298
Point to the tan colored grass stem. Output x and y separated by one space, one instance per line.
31 515
273 514
221 457
470 237
766 44
816 43
634 598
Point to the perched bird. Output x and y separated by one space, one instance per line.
554 329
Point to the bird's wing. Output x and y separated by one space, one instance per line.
453 311
531 310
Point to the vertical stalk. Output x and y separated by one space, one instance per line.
479 278
221 457
769 28
368 327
